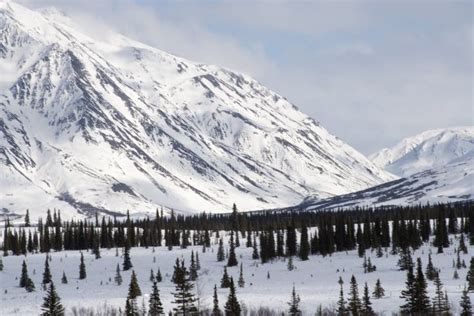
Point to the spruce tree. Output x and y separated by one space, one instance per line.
366 303
64 278
290 266
1 264
220 251
241 281
183 294
294 303
46 273
232 306
24 275
470 276
27 219
341 303
439 302
354 303
255 255
155 307
82 268
232 261
52 303
159 278
466 307
216 311
193 268
430 269
133 288
409 293
225 281
127 262
421 302
304 244
118 276
379 291
131 307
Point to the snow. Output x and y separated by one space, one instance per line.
315 280
79 115
430 149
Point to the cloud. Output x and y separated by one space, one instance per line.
372 72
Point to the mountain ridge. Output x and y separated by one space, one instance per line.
121 125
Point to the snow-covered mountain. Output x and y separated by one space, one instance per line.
435 166
113 125
453 182
430 149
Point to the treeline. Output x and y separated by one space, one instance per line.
322 232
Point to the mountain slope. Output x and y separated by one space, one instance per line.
450 183
112 125
430 149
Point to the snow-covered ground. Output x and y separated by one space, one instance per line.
315 280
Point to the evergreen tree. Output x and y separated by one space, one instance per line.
241 281
159 278
82 268
155 307
127 262
232 261
24 275
255 255
470 276
183 295
193 268
294 303
1 264
27 218
131 308
225 281
64 278
354 303
304 244
216 311
409 293
379 291
232 306
466 307
52 303
118 276
220 251
439 302
421 302
46 273
366 303
290 266
133 288
462 244
430 269
341 303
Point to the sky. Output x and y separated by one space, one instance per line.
371 72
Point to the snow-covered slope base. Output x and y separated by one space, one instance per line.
450 183
315 280
112 125
430 149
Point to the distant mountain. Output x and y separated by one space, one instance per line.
453 182
435 166
116 125
430 149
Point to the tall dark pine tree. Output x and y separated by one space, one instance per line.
354 303
290 241
82 268
193 268
216 311
133 288
46 273
341 303
127 262
232 261
155 308
220 251
422 302
25 280
470 276
52 303
304 244
379 291
430 269
183 294
366 303
241 281
409 293
440 305
225 281
232 306
294 303
27 218
466 307
118 276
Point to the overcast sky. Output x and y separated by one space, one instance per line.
372 72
